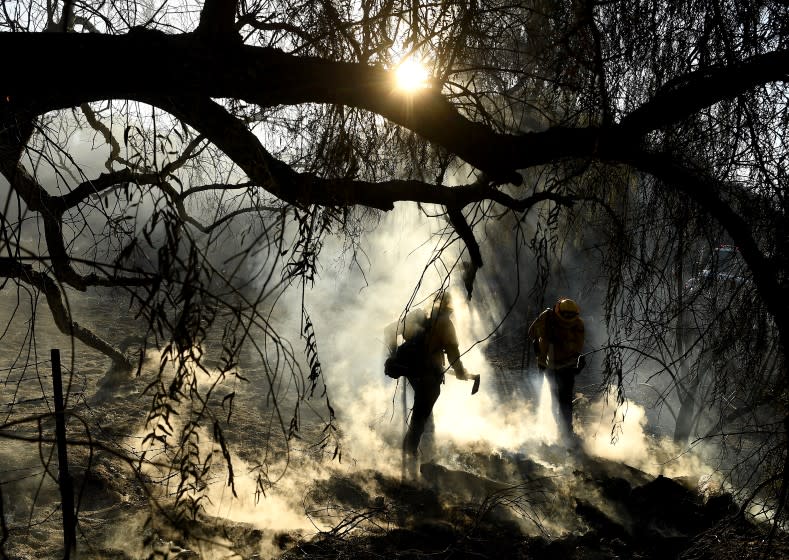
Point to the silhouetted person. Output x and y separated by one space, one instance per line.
558 338
427 340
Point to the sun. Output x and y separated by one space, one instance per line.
411 75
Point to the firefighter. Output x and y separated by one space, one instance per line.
558 338
440 338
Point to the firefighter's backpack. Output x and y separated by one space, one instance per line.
412 356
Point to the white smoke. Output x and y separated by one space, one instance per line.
351 307
618 433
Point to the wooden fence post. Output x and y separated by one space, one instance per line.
64 478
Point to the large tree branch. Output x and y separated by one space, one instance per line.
688 94
188 67
243 147
189 71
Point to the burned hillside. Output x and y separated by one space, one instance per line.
212 211
588 508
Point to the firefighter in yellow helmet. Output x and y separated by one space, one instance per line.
435 337
558 338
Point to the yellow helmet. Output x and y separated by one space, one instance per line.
566 309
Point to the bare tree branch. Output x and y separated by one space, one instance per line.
11 268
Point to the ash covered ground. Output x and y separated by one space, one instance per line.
494 485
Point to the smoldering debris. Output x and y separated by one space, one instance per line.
590 508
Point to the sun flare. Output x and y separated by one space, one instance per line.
411 75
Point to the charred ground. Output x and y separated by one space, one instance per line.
550 503
544 502
587 508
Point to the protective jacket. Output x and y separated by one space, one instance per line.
441 339
444 340
559 341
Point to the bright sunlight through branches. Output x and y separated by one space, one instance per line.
411 75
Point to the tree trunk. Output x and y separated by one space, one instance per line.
685 386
